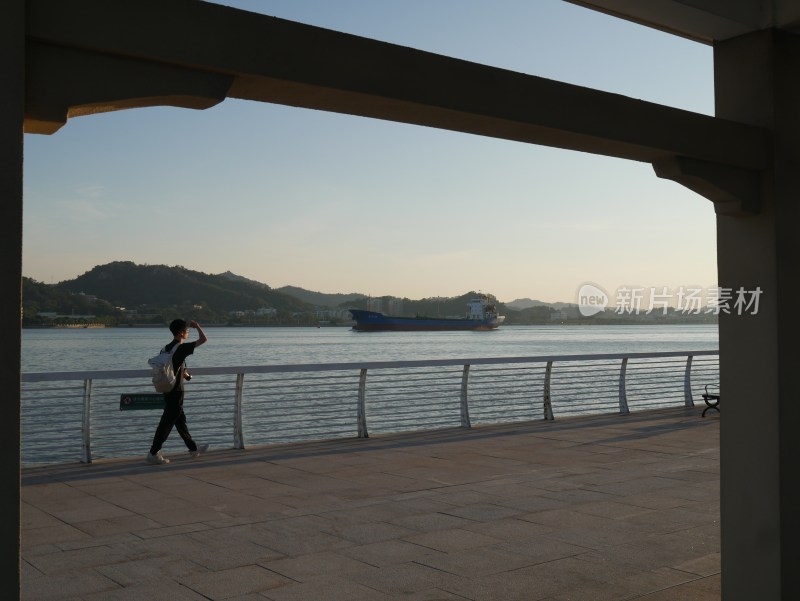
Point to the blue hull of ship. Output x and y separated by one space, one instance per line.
371 321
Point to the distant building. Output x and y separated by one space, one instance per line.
395 306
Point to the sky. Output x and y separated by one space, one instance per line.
338 203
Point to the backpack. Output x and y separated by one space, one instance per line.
163 373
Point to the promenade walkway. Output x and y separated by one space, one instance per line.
590 509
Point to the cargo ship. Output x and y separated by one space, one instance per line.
481 315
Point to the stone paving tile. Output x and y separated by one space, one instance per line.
50 492
427 522
83 509
293 545
433 594
143 501
532 503
706 589
33 517
165 531
224 584
304 502
391 552
633 587
647 554
455 496
706 565
327 589
66 562
577 496
508 529
235 504
616 509
151 591
212 549
542 549
572 570
64 586
483 512
636 485
316 565
149 570
451 540
512 586
654 501
405 579
393 511
108 485
479 562
369 532
181 516
52 535
119 525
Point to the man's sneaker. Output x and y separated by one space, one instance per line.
201 448
157 459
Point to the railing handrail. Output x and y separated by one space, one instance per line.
354 365
524 372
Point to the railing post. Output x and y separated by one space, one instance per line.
687 382
362 405
86 426
548 405
623 394
238 429
465 423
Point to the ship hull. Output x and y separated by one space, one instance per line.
371 321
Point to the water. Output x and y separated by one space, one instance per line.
51 350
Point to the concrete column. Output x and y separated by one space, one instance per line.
12 101
756 82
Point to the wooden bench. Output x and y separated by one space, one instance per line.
141 401
712 401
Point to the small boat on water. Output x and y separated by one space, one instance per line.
481 315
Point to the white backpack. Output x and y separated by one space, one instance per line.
163 373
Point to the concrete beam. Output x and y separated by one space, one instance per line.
705 21
278 61
734 191
65 82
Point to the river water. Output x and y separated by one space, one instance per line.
48 350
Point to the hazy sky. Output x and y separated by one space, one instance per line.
336 203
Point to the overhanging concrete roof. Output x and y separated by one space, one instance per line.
87 56
705 21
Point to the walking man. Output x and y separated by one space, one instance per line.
173 411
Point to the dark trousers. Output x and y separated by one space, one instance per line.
173 416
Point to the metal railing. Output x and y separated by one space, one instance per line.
282 403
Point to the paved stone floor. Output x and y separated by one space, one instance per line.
607 508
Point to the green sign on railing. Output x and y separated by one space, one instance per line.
140 401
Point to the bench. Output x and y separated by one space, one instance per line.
140 401
712 401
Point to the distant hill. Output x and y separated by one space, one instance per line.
127 284
229 275
526 303
320 299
